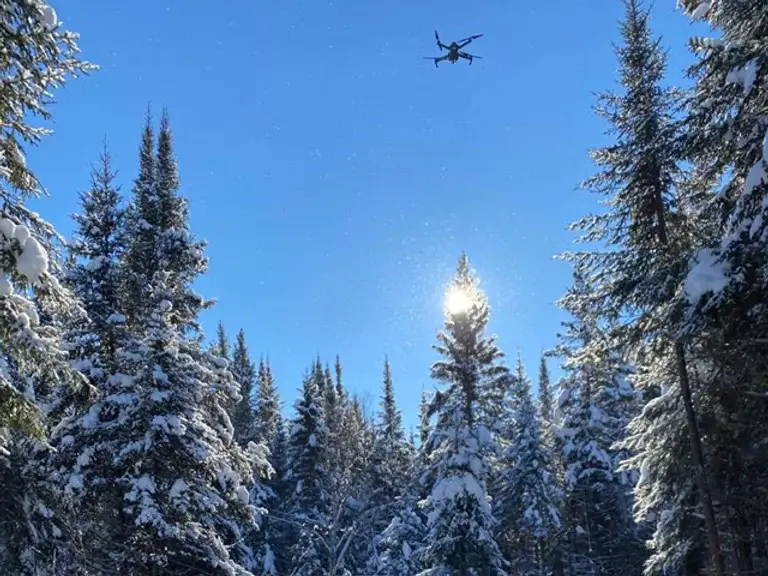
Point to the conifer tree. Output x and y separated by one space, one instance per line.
646 233
724 293
307 504
96 337
142 228
242 412
95 275
545 395
268 414
528 497
400 545
460 528
424 426
157 448
160 235
38 55
595 405
220 346
391 460
182 508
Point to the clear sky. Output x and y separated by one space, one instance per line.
337 175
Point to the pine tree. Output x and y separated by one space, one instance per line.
38 55
460 524
528 498
242 412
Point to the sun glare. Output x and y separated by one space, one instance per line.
457 300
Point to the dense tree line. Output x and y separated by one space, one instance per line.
128 446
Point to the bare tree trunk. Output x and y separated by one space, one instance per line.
697 454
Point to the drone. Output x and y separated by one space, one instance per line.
454 50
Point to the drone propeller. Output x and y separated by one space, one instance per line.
469 56
470 38
440 45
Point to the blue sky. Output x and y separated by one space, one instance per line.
338 176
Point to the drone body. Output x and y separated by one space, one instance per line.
454 50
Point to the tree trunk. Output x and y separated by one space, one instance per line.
697 454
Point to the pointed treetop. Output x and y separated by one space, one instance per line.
424 418
463 298
222 341
338 371
145 181
391 419
545 393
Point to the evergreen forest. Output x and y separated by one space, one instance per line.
131 444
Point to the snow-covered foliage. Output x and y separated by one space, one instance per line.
400 545
37 57
527 496
392 459
161 445
460 524
594 406
244 372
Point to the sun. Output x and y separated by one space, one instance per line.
458 300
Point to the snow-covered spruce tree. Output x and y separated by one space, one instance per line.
424 423
460 525
306 506
646 233
725 291
350 535
37 57
242 415
528 497
595 404
269 424
270 430
94 337
162 451
95 275
158 219
546 409
390 467
142 223
399 547
161 424
220 346
392 458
